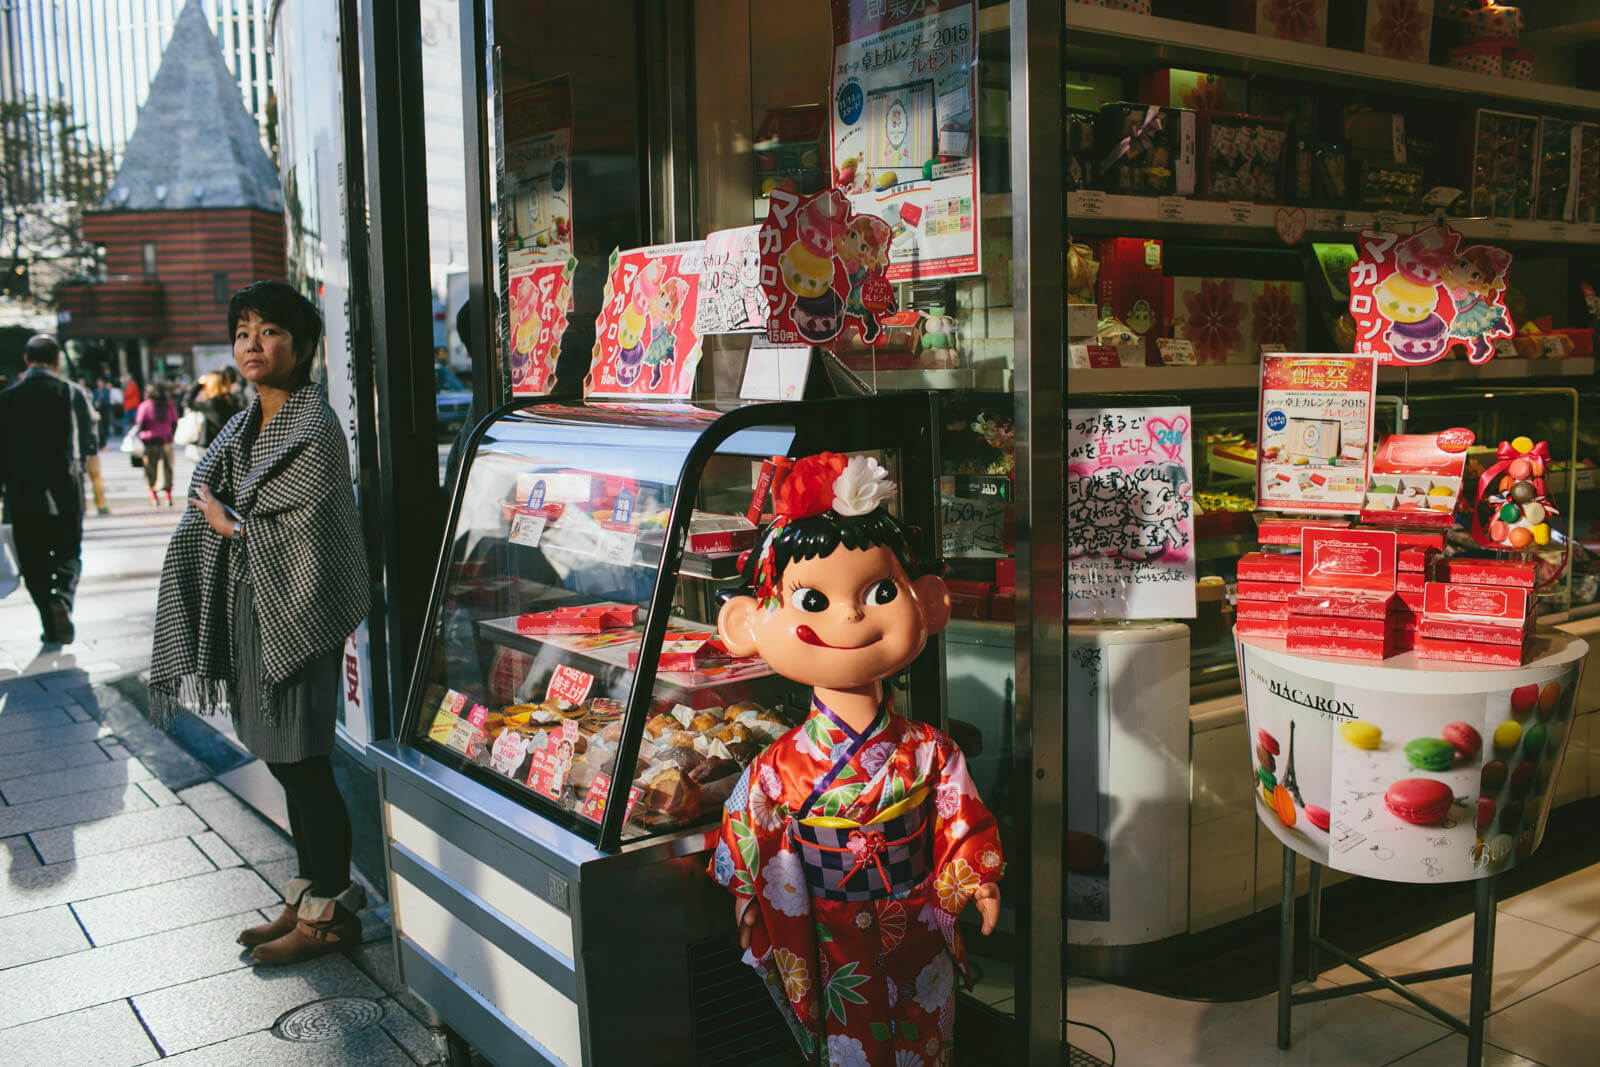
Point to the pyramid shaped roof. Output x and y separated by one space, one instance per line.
195 145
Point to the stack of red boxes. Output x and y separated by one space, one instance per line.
1417 552
1265 582
1479 611
1346 604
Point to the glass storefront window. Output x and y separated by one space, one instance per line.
565 133
800 95
310 60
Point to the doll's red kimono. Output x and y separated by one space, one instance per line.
857 845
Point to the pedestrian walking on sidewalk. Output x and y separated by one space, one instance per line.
217 403
155 423
264 579
46 430
102 406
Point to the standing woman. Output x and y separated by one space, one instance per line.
155 423
263 581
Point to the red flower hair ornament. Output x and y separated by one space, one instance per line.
816 484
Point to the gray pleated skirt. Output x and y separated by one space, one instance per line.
307 703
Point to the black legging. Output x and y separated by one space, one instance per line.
319 823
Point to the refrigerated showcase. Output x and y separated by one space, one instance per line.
573 726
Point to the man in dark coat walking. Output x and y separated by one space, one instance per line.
46 431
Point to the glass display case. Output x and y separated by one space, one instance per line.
572 632
545 613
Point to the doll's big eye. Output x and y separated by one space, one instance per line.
810 600
884 592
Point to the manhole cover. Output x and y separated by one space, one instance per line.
322 1020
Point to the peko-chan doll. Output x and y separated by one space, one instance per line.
852 842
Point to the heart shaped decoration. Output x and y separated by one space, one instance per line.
1290 223
1168 434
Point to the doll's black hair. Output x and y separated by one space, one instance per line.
818 535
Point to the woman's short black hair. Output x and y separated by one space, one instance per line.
819 535
282 305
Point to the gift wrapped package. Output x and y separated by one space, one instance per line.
1399 29
1301 21
1130 289
1503 148
1145 150
1080 148
1192 89
1588 171
1556 182
1384 185
1228 320
1242 157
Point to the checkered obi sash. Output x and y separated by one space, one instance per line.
850 861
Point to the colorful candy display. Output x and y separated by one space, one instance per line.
1514 511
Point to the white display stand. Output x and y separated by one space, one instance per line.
1308 698
1127 787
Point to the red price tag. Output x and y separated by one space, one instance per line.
594 804
569 684
548 774
478 715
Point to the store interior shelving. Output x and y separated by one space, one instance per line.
1102 34
1092 211
1246 376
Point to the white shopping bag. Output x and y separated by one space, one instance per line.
10 573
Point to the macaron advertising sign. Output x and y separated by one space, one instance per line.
823 270
1408 773
1414 298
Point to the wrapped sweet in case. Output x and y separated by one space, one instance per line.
1242 157
1145 150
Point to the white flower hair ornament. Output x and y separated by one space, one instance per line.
862 487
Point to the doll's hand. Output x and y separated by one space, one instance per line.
749 921
988 900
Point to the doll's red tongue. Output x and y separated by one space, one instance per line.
809 636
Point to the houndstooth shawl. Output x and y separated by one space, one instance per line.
301 546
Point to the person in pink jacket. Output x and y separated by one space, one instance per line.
156 422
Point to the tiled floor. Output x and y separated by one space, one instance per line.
121 894
1547 986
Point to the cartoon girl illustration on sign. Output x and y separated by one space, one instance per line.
1475 281
1157 509
635 319
853 842
864 250
666 306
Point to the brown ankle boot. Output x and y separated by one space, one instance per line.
324 924
260 935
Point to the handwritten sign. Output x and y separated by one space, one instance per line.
1130 517
731 300
569 684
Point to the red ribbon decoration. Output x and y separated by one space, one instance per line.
1504 456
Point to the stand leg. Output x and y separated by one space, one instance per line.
1313 920
1482 966
1286 948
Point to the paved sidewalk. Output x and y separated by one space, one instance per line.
126 870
